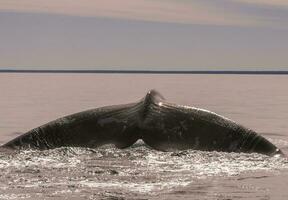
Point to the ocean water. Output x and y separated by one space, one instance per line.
259 102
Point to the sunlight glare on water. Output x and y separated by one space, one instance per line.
138 170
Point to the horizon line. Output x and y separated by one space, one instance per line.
253 72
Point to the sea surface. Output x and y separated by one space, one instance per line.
259 102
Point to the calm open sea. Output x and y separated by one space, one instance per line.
259 102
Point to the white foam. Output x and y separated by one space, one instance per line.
137 169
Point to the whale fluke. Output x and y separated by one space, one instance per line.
92 128
161 125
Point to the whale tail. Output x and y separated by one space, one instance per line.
160 124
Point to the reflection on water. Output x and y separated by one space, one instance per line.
137 171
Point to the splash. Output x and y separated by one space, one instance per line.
136 170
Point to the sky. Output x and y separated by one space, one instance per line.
144 34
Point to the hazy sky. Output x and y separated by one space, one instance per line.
144 34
